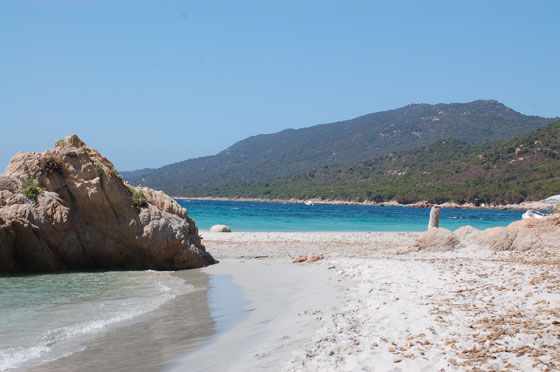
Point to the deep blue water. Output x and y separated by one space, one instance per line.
264 216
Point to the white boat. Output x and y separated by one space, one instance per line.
308 202
533 214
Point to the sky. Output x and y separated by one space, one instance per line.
150 83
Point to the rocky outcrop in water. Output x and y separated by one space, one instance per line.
68 209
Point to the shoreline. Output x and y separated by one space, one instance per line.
284 309
156 338
533 205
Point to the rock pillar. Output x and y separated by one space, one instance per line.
434 218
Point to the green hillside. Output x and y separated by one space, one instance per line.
525 168
292 152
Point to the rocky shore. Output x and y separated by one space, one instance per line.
68 209
534 205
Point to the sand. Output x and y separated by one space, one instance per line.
469 309
285 305
288 245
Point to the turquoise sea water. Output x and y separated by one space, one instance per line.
264 216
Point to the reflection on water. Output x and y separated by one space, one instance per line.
155 341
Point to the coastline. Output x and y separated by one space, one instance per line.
363 304
533 205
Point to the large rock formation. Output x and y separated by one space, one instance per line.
517 236
84 217
547 229
520 235
505 239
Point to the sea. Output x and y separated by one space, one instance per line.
292 217
90 320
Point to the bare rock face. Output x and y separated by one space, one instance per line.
465 232
163 202
436 240
514 237
548 228
508 238
84 217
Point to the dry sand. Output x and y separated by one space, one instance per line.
469 309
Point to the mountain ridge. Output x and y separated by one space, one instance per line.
366 137
512 171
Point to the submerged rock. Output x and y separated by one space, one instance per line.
68 209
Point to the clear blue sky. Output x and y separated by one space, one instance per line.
154 82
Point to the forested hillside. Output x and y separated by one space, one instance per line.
366 138
525 168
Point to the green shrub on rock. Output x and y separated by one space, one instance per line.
137 197
99 168
30 189
115 173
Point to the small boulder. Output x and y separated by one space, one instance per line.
436 240
220 228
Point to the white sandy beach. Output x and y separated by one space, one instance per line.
468 309
286 302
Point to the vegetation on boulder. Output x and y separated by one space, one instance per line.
99 168
30 188
137 196
50 165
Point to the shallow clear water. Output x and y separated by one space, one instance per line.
89 321
263 216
